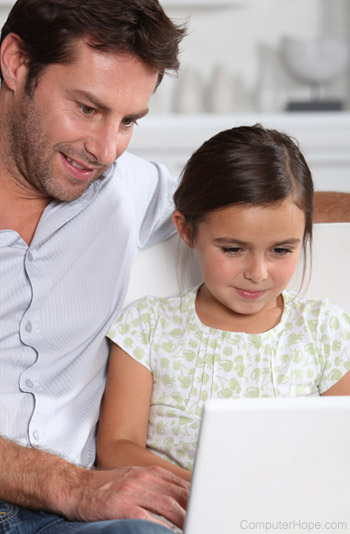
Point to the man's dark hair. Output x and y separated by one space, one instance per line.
48 29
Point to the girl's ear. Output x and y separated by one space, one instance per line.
13 61
183 228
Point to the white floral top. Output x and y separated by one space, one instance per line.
305 354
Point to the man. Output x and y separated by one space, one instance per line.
76 77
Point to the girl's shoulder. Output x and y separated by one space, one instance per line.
160 306
316 309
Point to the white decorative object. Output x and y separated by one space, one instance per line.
219 96
315 62
266 98
242 97
268 95
188 93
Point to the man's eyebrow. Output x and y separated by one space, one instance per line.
137 116
94 101
91 98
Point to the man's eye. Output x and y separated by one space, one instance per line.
127 123
87 110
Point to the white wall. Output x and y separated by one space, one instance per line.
4 10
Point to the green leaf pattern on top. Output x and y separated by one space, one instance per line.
305 354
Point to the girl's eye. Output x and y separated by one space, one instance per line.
280 251
232 250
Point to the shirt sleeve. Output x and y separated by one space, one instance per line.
335 346
133 330
152 187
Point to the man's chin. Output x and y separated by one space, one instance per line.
72 192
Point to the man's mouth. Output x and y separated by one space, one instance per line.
78 169
76 164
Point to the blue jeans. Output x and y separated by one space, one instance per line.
17 520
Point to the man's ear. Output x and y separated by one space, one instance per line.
183 228
13 61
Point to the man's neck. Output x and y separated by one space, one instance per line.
20 210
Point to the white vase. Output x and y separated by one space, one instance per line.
219 95
188 93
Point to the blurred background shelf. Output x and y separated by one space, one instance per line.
323 137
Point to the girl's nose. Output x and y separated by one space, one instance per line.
256 270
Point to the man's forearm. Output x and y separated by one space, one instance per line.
35 479
331 206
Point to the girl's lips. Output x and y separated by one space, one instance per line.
251 295
78 170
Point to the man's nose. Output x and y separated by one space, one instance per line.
103 143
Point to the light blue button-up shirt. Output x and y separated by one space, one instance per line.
58 297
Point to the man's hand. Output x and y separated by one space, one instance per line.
129 492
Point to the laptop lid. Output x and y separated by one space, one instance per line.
272 465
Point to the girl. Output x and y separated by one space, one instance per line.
245 205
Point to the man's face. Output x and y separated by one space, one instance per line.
78 120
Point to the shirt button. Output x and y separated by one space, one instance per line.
28 327
36 435
29 383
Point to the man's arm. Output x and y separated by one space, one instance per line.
331 206
35 479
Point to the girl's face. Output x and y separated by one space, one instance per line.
247 255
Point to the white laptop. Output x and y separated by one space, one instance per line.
272 466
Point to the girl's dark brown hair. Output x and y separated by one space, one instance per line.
245 165
48 29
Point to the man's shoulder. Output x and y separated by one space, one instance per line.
130 165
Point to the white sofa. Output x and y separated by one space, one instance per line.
156 271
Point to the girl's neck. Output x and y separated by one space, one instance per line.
215 315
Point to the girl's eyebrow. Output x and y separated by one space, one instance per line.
229 240
233 241
291 241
